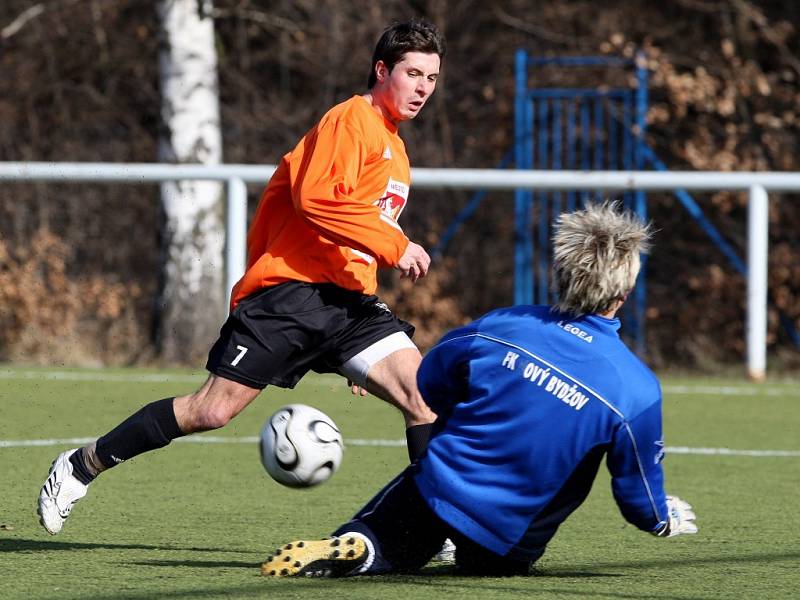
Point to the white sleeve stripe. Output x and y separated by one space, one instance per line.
367 257
641 471
391 222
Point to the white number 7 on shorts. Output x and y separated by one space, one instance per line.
242 351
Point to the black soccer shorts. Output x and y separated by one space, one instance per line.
278 334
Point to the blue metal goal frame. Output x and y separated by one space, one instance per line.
574 129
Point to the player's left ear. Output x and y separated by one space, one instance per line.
381 71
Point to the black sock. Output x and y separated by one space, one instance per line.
153 426
79 468
417 440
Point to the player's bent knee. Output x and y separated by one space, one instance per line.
213 419
212 406
196 414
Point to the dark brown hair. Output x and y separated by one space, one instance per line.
416 35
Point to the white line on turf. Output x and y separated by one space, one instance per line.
102 376
730 451
728 390
211 439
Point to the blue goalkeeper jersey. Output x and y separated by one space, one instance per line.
529 401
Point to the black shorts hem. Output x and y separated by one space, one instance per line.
237 377
284 383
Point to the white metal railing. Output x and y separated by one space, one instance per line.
756 183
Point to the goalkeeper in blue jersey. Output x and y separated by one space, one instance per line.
529 400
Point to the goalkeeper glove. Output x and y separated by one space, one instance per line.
680 519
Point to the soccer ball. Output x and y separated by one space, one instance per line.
300 446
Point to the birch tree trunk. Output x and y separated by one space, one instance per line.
191 300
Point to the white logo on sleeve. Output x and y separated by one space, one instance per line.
394 199
387 154
660 452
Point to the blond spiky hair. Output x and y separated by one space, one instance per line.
596 257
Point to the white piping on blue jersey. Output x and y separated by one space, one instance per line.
614 409
532 355
641 472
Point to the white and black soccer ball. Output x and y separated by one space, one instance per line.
301 446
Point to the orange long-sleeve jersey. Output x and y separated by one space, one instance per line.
329 213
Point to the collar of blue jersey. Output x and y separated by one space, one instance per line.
603 324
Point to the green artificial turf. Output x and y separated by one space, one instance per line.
195 520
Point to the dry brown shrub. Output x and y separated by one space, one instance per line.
49 317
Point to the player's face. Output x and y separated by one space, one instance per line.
405 89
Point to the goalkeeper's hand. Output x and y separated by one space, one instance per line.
680 519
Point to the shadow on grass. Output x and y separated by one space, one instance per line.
676 562
209 564
451 571
441 580
27 545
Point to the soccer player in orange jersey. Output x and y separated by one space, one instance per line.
326 222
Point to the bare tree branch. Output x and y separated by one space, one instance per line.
29 14
702 6
535 30
99 31
267 21
17 24
770 34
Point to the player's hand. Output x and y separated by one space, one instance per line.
681 518
414 263
355 389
